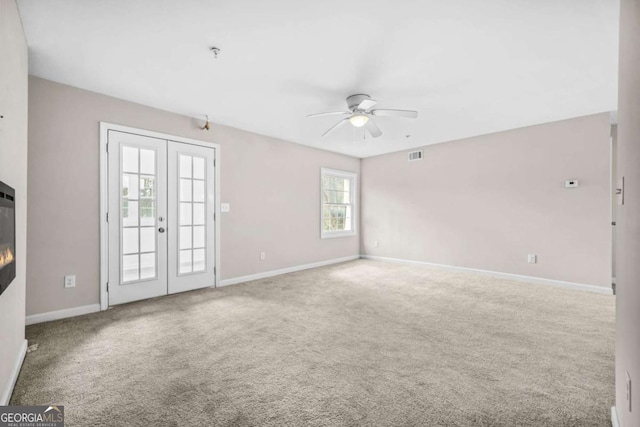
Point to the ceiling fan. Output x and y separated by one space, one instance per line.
360 112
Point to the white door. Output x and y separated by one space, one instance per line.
137 212
191 217
161 226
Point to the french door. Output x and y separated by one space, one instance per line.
161 217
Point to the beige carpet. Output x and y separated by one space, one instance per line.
363 343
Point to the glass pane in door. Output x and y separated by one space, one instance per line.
193 205
138 209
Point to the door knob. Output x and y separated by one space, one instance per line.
161 229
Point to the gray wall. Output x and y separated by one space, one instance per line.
487 202
13 171
628 216
272 186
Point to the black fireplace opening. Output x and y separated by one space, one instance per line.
7 236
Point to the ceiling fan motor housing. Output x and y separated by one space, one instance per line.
354 100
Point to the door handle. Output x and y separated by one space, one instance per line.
161 230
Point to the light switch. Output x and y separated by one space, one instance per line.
225 207
70 281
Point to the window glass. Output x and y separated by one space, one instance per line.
338 201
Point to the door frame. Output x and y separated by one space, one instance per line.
105 127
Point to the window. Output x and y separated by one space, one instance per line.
339 210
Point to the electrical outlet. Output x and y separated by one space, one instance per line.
532 259
628 387
225 207
263 256
375 244
70 281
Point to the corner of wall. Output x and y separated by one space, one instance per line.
13 171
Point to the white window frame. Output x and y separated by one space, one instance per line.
353 177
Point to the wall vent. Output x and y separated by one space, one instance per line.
415 155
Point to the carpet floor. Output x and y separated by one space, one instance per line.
364 343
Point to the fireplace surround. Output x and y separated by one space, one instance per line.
7 236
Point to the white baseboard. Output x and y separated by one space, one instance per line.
516 277
94 308
615 421
6 393
62 314
272 273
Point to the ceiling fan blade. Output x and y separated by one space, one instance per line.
398 113
329 114
373 129
367 104
341 122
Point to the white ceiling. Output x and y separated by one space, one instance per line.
469 67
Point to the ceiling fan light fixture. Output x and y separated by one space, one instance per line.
359 120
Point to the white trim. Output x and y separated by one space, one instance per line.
615 420
510 276
62 314
612 205
242 279
334 234
355 201
104 197
104 208
6 394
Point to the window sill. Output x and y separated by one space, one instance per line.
340 234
